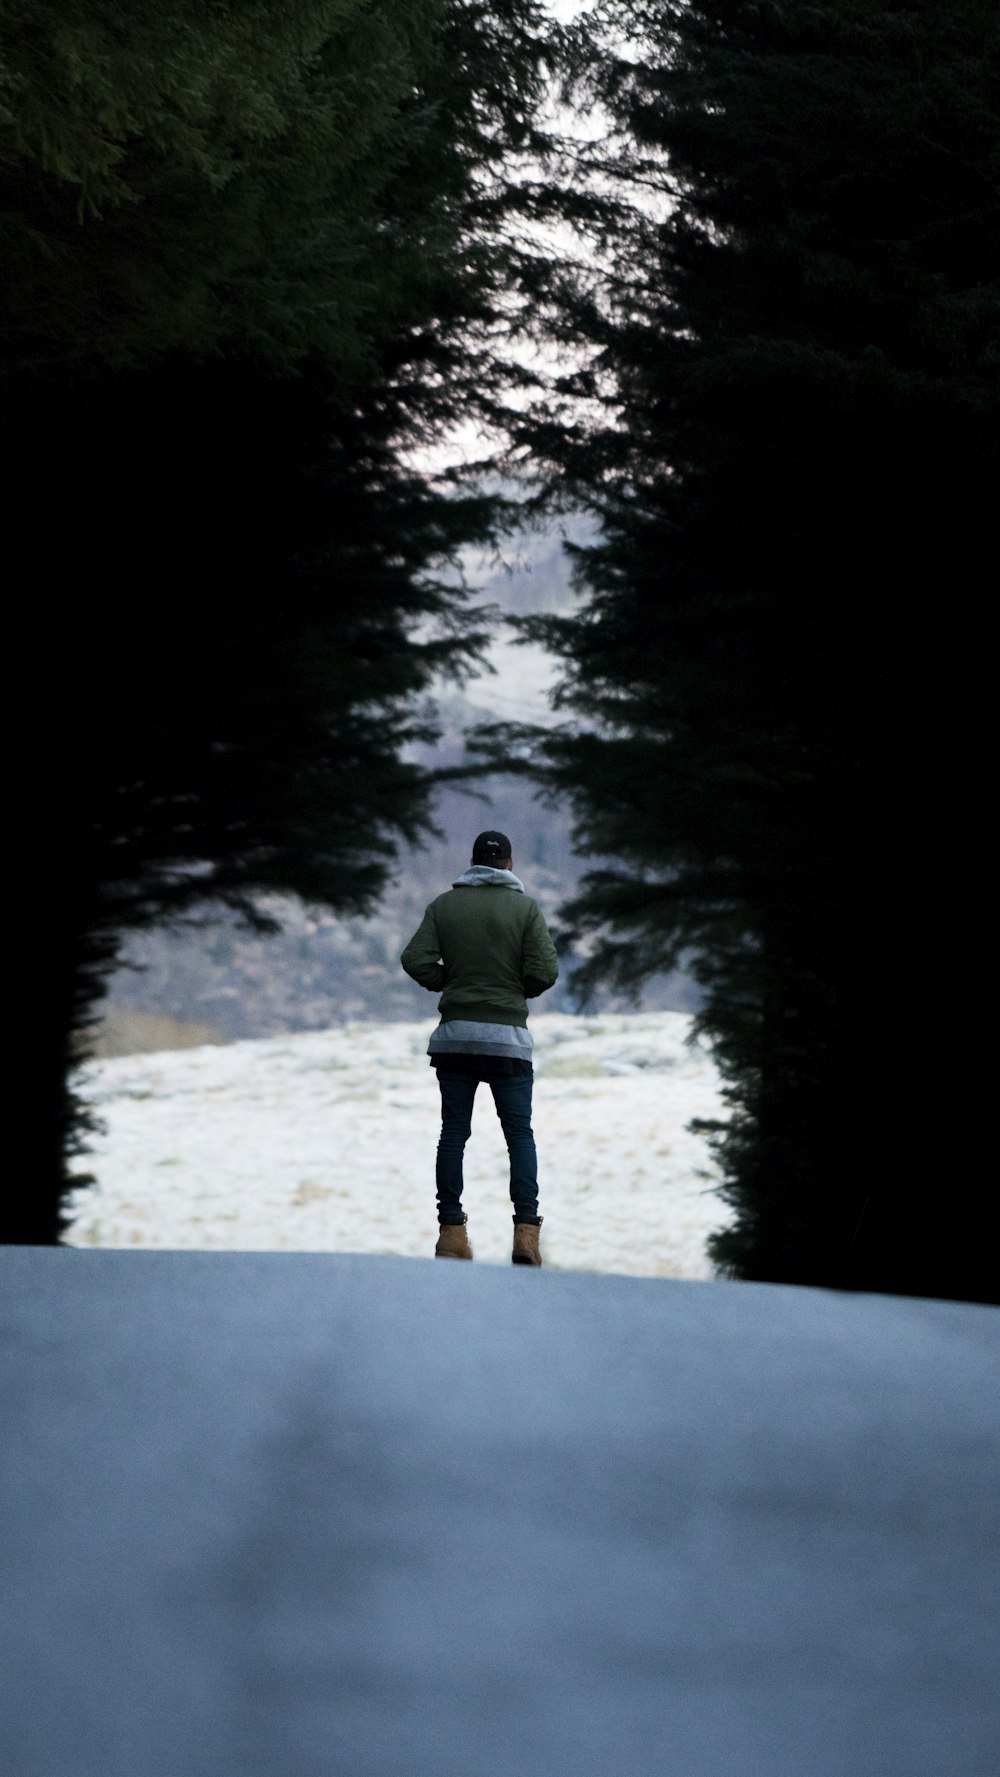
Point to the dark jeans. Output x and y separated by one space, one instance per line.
512 1098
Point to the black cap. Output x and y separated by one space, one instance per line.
492 848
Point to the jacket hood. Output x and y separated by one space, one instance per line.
483 875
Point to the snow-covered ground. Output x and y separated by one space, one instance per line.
326 1142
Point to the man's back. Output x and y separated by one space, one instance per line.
493 945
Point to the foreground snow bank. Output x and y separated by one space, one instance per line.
291 1515
327 1142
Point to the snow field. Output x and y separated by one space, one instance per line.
326 1142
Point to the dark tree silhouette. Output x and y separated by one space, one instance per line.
794 345
256 255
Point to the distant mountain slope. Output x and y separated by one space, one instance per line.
229 984
321 970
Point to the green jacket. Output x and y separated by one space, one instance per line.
485 947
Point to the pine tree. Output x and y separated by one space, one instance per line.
796 353
256 256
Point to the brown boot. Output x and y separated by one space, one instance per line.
453 1241
526 1244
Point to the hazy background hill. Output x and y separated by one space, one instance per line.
217 982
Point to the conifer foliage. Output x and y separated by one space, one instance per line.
253 256
795 368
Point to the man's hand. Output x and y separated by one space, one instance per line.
422 957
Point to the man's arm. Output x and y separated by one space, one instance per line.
422 957
538 957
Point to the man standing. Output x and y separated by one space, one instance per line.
485 947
